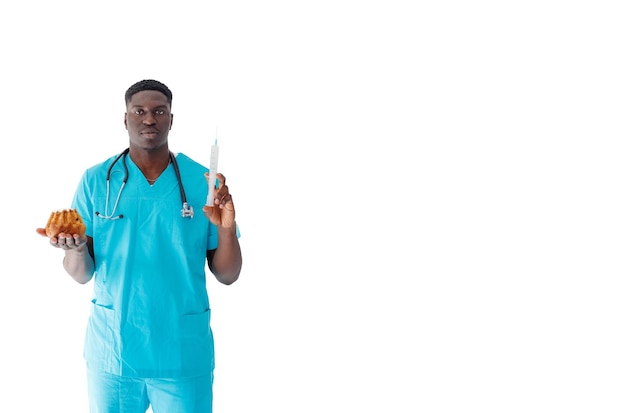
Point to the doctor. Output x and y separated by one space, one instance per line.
149 340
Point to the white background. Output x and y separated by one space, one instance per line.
430 194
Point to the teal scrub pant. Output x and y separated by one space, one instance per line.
109 393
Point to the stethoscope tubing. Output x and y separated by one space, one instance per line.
187 211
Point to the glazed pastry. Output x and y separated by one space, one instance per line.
67 221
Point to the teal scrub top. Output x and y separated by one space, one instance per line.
150 315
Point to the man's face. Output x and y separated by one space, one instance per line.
148 119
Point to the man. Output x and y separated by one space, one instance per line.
149 340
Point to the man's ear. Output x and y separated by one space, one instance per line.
125 123
171 120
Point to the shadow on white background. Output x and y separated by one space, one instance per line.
430 196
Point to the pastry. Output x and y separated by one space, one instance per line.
67 221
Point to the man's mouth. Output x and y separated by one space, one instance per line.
149 133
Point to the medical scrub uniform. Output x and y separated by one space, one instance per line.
150 316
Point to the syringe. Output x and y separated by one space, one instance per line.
210 200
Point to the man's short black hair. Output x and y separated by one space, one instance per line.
149 84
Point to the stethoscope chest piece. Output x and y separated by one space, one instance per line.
187 211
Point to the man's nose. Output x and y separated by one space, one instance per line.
149 119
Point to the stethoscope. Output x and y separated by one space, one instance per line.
186 212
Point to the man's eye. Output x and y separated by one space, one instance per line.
160 112
138 111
